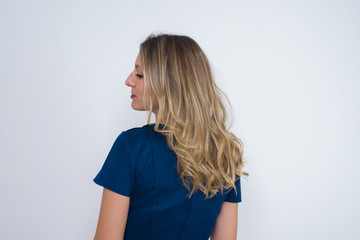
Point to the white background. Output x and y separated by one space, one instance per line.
291 70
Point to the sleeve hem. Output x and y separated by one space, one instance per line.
233 201
111 188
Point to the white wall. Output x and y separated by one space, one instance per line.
290 68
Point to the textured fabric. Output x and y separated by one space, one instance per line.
140 165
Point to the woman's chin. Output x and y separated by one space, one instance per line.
137 108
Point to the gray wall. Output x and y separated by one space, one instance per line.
290 68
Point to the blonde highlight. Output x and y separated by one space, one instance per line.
191 113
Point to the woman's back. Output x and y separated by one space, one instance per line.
178 178
140 165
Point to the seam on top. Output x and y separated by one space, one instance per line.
186 216
154 190
133 155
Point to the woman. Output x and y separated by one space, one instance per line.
180 177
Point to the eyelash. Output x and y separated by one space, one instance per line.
139 75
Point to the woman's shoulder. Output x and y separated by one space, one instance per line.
136 131
140 129
137 134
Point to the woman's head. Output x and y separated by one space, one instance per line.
177 71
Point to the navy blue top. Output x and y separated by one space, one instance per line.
140 165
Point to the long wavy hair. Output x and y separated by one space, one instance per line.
191 113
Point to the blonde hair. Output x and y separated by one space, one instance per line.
191 113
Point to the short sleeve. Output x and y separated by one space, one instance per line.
117 172
233 196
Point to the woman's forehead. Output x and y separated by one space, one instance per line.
138 62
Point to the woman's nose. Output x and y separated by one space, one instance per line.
129 81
